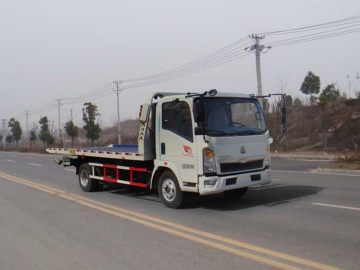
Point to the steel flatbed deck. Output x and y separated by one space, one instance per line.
126 152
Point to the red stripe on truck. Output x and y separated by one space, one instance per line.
117 174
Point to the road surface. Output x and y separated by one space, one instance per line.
303 220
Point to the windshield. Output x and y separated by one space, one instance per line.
233 116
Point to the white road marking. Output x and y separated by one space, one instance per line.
10 160
275 180
35 164
70 170
339 174
281 202
316 160
338 206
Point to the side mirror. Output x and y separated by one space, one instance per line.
212 92
198 111
199 131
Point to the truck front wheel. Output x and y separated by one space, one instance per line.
169 190
86 183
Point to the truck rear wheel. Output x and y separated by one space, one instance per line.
86 183
169 190
235 193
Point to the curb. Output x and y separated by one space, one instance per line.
309 157
30 154
337 171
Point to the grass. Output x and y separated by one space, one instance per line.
349 165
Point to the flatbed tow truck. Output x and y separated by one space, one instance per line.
204 143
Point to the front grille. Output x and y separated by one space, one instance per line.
238 166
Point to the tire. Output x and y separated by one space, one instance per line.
235 193
86 183
169 190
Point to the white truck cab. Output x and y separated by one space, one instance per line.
188 142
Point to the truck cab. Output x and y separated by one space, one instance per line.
211 143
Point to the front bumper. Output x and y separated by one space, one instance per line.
233 181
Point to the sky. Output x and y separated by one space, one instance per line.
62 49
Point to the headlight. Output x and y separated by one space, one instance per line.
268 156
209 166
268 149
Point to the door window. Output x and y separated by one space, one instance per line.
176 117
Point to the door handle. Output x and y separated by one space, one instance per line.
162 148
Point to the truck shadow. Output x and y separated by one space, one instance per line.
133 192
266 196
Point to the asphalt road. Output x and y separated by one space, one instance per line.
303 220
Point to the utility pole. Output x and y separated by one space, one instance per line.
71 115
258 48
118 90
59 124
349 84
27 123
3 125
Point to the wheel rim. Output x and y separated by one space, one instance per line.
84 178
168 190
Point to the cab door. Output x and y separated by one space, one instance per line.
176 144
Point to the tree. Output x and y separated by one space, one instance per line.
357 94
9 139
266 105
44 134
93 130
328 94
288 100
33 136
312 100
310 85
72 131
297 103
1 137
15 129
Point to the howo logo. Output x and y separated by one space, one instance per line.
242 149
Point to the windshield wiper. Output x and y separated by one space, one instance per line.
239 124
249 132
217 132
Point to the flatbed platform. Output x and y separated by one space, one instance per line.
124 151
118 148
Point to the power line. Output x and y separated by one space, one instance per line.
92 97
318 34
47 107
85 95
192 71
310 27
351 23
224 55
297 41
192 63
204 65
